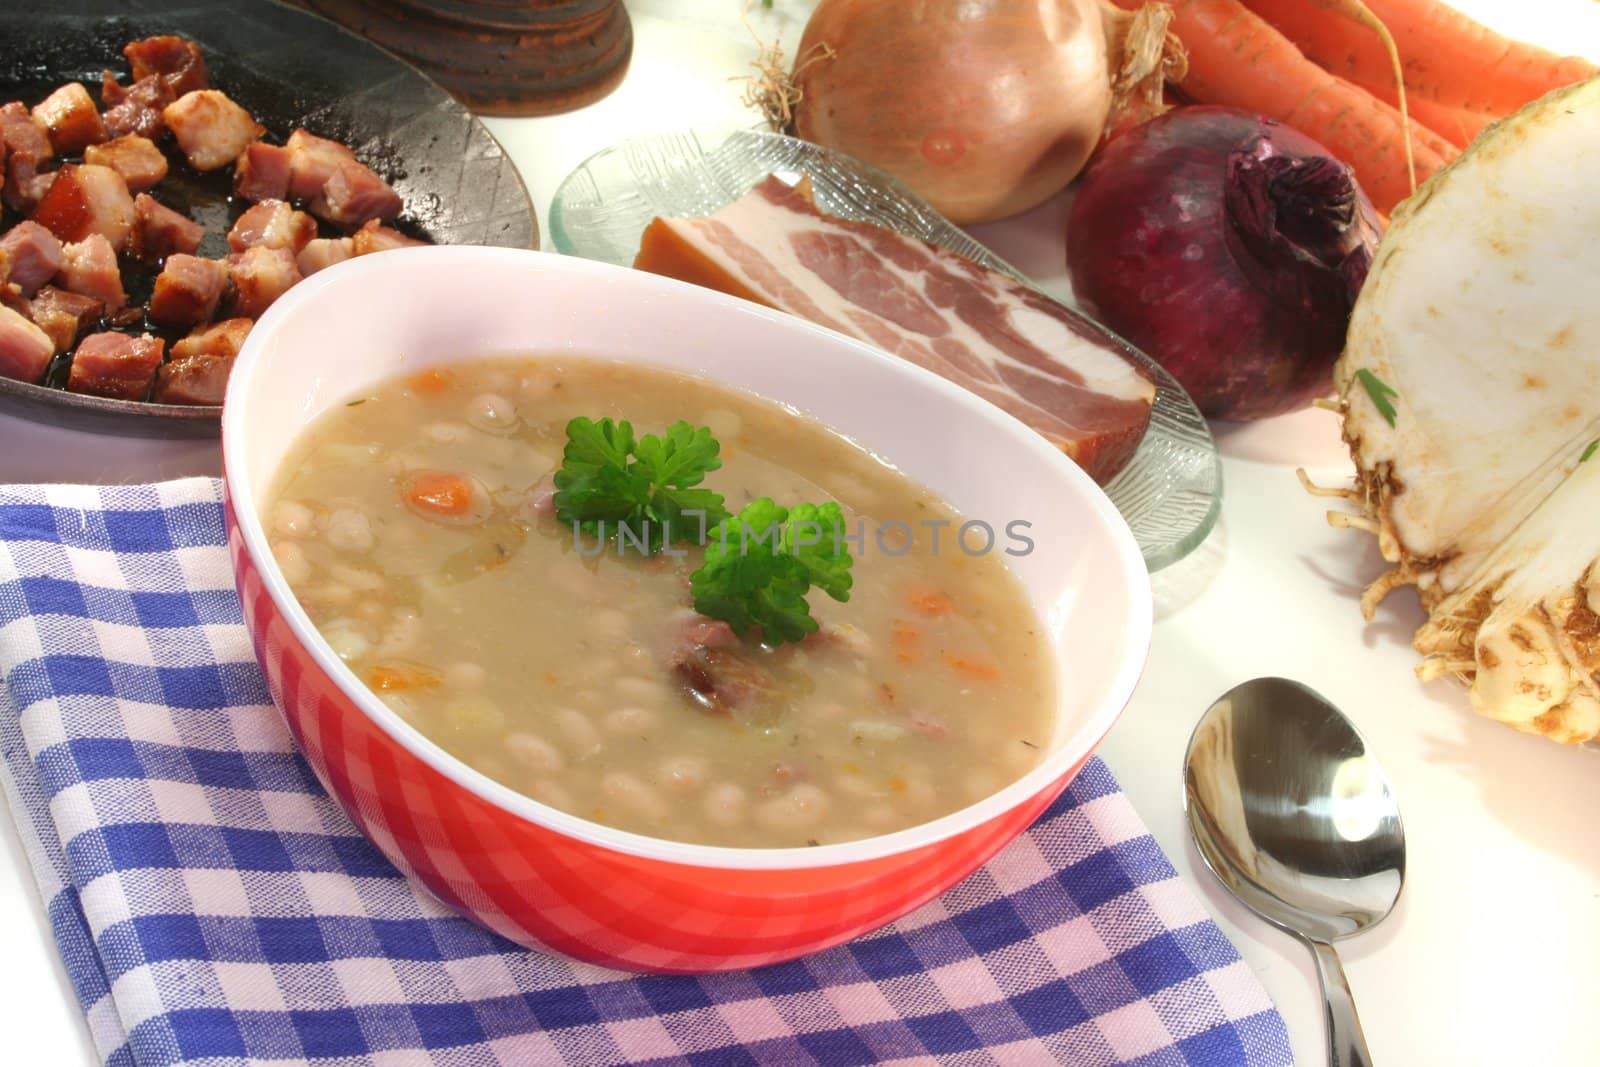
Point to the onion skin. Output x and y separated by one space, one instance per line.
985 108
1230 249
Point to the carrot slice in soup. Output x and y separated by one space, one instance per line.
439 493
980 669
431 382
906 640
930 602
395 677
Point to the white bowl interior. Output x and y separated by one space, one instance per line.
364 321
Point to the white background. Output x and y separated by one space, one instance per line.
1493 956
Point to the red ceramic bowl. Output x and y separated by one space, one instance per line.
551 880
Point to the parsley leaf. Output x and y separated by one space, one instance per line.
609 480
1381 392
760 564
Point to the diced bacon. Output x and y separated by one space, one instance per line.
32 256
159 231
26 148
312 161
354 194
198 380
262 173
260 276
11 297
322 253
1015 347
69 116
376 237
141 164
721 681
211 129
64 315
25 350
115 365
272 224
91 269
177 61
187 291
694 631
136 109
222 339
21 134
87 199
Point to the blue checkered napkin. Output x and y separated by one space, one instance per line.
214 906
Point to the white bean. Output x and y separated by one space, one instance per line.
358 578
292 562
724 804
582 738
629 722
492 413
854 785
801 807
293 519
446 432
344 636
465 675
403 634
682 773
882 817
329 594
636 796
644 690
349 529
533 753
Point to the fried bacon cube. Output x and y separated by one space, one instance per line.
260 275
115 365
137 108
177 61
376 237
91 269
141 164
262 173
69 116
25 350
312 161
354 194
272 224
159 231
87 199
324 252
64 315
31 255
211 129
187 291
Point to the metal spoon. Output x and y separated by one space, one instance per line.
1296 819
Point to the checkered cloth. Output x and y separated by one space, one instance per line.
213 906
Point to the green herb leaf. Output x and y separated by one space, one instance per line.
760 564
1589 451
1381 393
609 480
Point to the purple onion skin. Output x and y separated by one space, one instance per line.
1229 248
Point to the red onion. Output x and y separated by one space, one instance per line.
1228 247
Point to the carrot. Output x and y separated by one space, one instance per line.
401 676
930 602
1454 124
439 493
906 640
431 382
980 669
1237 60
1449 59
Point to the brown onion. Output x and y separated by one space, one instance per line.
985 108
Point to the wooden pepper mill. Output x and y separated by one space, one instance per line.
500 57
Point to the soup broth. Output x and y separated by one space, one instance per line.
577 672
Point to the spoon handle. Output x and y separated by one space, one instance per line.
1347 1045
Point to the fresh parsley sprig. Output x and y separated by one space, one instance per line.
760 564
1382 394
608 480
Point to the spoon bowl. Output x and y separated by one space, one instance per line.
1293 814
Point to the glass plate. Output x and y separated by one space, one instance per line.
1170 492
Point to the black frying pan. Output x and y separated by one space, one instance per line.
289 68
